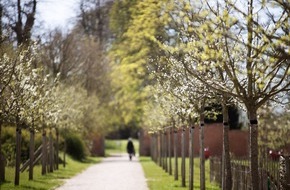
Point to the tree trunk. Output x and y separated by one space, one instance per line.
64 154
2 158
44 153
152 151
226 162
183 158
23 32
201 150
175 155
31 154
159 149
18 155
57 150
165 152
191 156
169 151
254 148
51 152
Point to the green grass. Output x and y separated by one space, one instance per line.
158 179
119 146
50 180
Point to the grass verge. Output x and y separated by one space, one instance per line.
119 146
158 179
50 180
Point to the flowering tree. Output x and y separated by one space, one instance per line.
7 66
20 90
237 53
274 129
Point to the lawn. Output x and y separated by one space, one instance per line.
158 179
119 146
49 181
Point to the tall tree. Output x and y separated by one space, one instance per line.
247 49
19 16
131 53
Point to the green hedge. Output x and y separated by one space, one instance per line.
75 147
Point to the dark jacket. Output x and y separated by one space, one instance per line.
130 147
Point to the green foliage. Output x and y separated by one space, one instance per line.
274 128
75 146
120 15
131 53
9 146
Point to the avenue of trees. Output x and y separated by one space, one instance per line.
52 84
152 64
199 52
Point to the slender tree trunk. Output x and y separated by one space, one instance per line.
51 152
254 148
44 153
57 150
191 156
175 155
156 149
226 162
165 152
31 153
169 151
183 158
152 142
18 155
152 150
2 158
201 150
159 149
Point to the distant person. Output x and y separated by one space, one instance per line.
130 148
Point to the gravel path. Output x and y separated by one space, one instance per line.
113 173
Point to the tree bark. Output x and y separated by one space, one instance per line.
44 153
51 152
226 162
2 159
254 148
175 155
23 33
31 153
191 160
201 150
165 152
57 149
159 149
183 158
152 142
169 151
18 155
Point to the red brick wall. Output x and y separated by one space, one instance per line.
212 139
144 143
98 146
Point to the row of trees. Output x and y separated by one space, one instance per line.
32 100
226 51
57 81
157 63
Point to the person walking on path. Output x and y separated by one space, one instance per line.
114 172
130 148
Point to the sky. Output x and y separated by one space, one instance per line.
56 13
